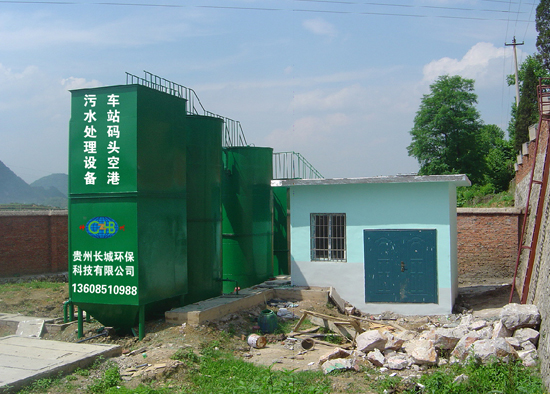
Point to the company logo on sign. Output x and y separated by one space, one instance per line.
101 227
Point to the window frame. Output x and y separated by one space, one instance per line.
328 240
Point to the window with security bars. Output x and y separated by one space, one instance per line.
328 236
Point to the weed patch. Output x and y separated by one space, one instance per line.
497 377
111 378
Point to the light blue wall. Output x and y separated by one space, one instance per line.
415 205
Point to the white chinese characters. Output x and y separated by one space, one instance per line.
95 117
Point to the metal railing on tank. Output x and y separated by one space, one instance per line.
292 165
233 134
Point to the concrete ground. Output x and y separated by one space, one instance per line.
24 360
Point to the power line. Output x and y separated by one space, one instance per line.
24 2
404 5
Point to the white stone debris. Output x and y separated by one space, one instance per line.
515 316
376 358
370 340
527 334
513 336
336 353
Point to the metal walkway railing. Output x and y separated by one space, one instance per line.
292 165
233 132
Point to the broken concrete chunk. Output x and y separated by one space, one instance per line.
487 350
376 358
30 328
528 357
466 320
513 342
527 334
393 342
445 338
461 379
422 351
527 345
397 362
350 310
370 340
478 325
405 335
463 346
336 353
340 363
515 316
486 332
500 331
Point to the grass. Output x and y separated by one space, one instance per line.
220 372
10 287
497 377
483 197
111 378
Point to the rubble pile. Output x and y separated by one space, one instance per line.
511 335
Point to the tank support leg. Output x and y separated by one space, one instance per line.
80 323
141 322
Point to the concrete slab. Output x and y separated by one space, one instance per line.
215 308
24 360
32 328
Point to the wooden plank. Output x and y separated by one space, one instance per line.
338 327
323 316
304 314
308 331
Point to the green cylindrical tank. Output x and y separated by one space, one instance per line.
127 203
204 208
281 246
247 216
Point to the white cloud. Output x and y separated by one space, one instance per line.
483 63
319 100
320 27
307 131
34 119
73 83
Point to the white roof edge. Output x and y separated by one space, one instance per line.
458 180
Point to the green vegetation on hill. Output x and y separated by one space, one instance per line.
49 191
57 181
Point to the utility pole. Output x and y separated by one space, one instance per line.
515 44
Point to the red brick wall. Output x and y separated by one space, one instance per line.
33 243
36 243
487 244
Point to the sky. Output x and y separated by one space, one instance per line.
337 81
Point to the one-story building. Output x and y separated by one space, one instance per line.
384 243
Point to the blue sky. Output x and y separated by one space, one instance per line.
338 81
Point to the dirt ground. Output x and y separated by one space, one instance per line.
150 359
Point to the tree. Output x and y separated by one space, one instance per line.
527 112
446 136
533 63
499 158
542 21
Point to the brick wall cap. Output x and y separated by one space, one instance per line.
56 212
491 211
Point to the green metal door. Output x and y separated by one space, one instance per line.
400 266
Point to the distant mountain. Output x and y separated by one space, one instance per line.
13 189
57 181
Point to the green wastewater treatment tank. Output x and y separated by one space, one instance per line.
247 216
204 207
127 203
281 226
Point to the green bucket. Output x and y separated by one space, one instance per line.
267 321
